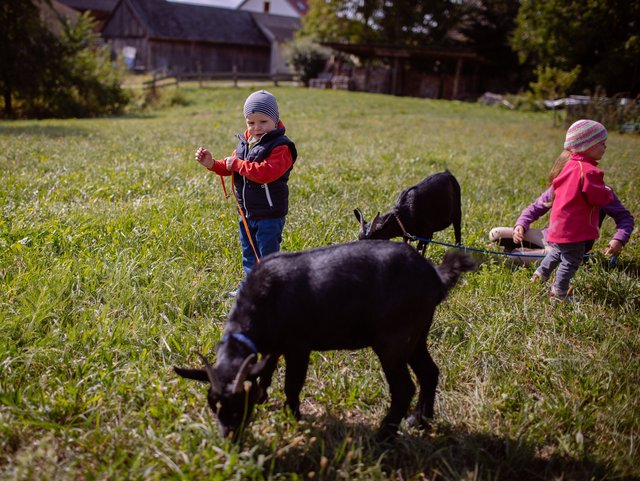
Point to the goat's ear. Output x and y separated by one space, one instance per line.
359 216
195 374
211 374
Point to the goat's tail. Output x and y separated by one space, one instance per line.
455 263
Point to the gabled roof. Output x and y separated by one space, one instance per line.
52 14
281 27
97 6
179 21
301 6
396 51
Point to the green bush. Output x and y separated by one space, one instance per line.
616 113
553 83
76 78
307 58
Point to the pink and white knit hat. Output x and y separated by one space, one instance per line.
584 134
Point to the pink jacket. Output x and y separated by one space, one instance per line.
579 193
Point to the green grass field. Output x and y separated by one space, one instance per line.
117 251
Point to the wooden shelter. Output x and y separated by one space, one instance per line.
450 73
184 38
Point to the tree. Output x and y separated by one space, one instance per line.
26 47
325 23
401 22
487 26
43 74
86 82
602 37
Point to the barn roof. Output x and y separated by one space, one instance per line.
395 51
100 6
197 23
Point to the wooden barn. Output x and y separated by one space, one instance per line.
185 38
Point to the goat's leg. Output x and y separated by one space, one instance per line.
421 248
266 376
401 388
427 373
295 374
457 221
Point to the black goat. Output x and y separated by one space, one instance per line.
345 296
430 206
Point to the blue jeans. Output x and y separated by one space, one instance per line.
266 235
567 257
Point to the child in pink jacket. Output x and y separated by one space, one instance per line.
579 191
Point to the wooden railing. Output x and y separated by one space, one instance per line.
161 80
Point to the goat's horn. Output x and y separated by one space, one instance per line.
211 374
204 359
243 373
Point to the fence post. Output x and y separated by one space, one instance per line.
153 84
199 70
235 75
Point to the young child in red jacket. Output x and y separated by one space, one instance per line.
579 191
261 162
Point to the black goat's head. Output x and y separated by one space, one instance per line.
368 230
231 396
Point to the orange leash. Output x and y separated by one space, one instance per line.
224 187
244 219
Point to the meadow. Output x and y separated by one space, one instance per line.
117 251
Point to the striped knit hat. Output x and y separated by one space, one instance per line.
263 102
584 134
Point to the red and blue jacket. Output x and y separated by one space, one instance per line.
261 186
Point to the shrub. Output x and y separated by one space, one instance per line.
553 83
77 78
616 113
307 58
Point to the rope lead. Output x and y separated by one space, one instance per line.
481 251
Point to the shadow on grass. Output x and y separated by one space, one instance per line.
52 131
57 131
333 449
629 267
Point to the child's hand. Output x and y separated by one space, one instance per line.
204 157
229 162
614 248
518 234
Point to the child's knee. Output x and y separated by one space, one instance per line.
498 233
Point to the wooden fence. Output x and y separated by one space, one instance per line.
164 79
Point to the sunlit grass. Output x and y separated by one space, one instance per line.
117 251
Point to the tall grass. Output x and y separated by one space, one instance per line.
117 251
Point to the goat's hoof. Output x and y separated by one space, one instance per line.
262 397
293 412
413 421
387 434
417 421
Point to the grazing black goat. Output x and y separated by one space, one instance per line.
344 296
430 206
